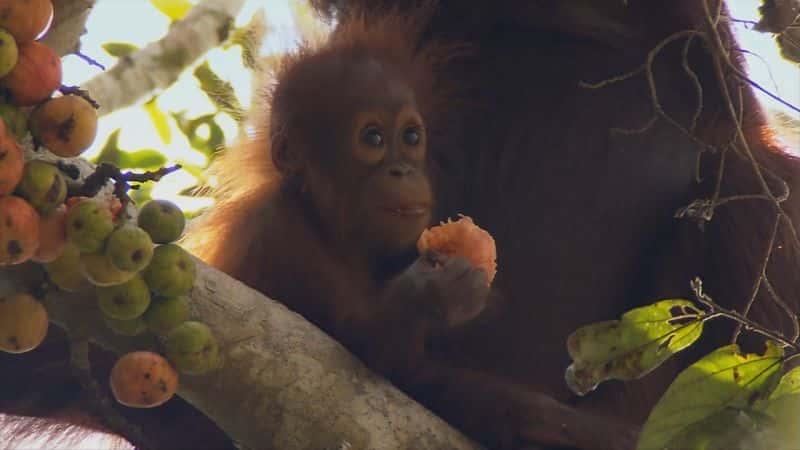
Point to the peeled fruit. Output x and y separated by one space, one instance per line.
52 236
15 120
164 314
132 327
462 238
66 125
25 19
12 162
19 230
171 272
100 272
88 225
129 248
192 348
163 220
65 271
36 75
143 380
8 52
125 301
43 186
23 323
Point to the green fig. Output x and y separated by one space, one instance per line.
88 225
164 314
129 248
16 121
131 327
124 301
9 53
100 272
43 186
192 348
65 271
163 220
171 272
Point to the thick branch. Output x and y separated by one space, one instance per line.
284 383
158 65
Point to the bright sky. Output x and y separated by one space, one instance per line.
135 21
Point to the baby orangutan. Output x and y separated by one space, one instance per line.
322 211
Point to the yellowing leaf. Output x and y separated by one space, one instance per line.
119 49
715 393
630 348
159 119
174 9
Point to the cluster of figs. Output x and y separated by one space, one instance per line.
125 260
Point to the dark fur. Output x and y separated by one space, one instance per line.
583 218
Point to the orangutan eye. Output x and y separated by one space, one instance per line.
372 136
411 136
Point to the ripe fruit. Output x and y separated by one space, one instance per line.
65 271
16 121
100 272
143 380
132 327
8 53
462 238
19 230
129 248
36 75
164 314
23 323
12 162
171 272
25 19
88 225
192 348
125 301
66 125
43 186
52 236
163 220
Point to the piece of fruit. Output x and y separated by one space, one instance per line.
66 125
8 52
129 248
143 380
65 271
164 314
89 223
23 323
124 301
462 238
52 236
12 162
42 186
192 348
19 230
25 19
131 327
36 75
16 122
163 220
171 272
100 272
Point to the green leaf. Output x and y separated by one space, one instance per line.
219 91
111 152
174 9
142 159
142 194
159 119
716 392
210 145
119 49
250 37
630 348
783 408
